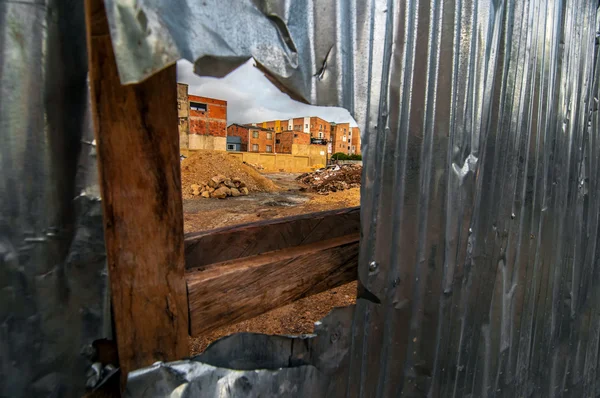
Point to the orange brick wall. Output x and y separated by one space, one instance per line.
298 123
339 132
319 125
283 143
262 141
288 138
356 140
213 121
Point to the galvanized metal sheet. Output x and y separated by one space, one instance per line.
479 258
255 365
52 261
480 203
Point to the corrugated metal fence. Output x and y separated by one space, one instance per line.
479 262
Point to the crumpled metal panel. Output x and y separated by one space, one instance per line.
52 257
297 42
256 365
479 257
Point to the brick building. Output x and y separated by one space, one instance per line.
355 136
320 128
314 126
341 138
338 137
286 141
202 121
253 138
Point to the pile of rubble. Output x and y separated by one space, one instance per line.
333 178
220 187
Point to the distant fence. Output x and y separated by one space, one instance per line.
280 162
359 162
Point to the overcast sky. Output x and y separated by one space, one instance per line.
251 97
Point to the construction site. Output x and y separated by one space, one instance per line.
335 198
270 196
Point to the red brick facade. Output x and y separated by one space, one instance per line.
237 130
285 140
342 137
341 141
254 139
320 128
355 150
208 116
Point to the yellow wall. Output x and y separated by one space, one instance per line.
272 162
280 162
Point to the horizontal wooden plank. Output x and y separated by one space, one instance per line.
209 247
236 290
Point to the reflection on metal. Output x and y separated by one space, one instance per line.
255 365
479 257
479 270
52 261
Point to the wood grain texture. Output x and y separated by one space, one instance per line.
138 158
241 289
209 247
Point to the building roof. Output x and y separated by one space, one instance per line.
250 127
231 139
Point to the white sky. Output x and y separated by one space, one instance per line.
251 97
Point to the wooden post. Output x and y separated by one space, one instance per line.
138 158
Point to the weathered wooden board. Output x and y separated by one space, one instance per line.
209 247
138 158
241 289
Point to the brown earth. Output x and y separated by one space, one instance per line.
298 317
201 166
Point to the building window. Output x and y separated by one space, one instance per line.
255 134
198 106
269 136
348 147
230 147
269 148
306 126
350 133
254 147
344 138
278 141
320 134
344 131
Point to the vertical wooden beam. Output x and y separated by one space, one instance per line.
138 158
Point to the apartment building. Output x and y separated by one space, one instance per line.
355 139
314 126
202 121
253 138
341 138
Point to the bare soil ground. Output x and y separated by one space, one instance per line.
298 317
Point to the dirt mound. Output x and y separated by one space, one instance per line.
201 166
333 179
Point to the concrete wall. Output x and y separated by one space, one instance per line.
197 141
183 111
